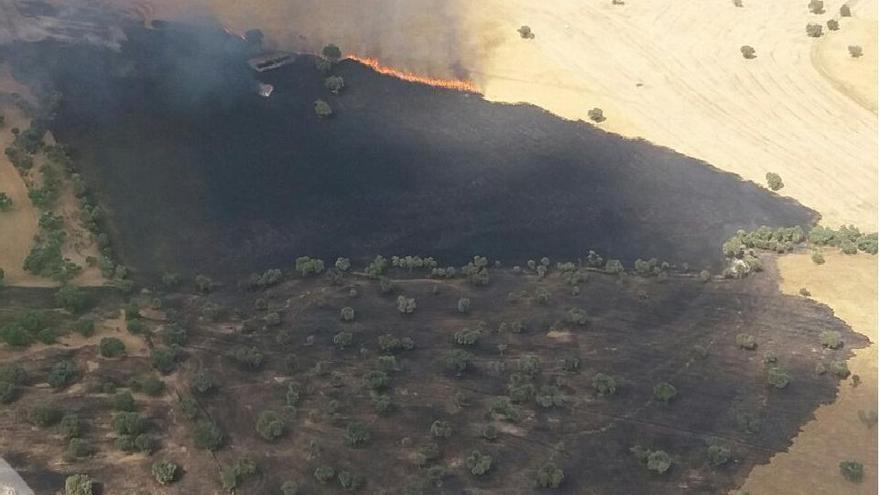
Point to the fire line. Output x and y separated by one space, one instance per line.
377 66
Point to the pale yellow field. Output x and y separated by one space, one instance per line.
19 225
848 284
669 72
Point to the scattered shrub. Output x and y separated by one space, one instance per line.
203 383
334 84
665 392
659 461
855 51
323 109
478 463
128 423
62 374
814 30
77 448
774 181
111 347
458 361
324 473
778 377
165 472
441 429
163 360
208 436
833 25
406 305
332 53
831 339
839 368
69 427
247 357
464 304
718 455
550 476
78 484
376 380
270 425
816 6
596 114
746 341
525 33
289 488
845 11
357 434
123 401
604 384
852 471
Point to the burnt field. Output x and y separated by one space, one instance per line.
520 380
200 174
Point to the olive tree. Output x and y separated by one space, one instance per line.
270 425
323 109
774 181
550 476
165 472
78 484
814 30
665 392
478 463
334 84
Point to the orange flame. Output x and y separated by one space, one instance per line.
456 84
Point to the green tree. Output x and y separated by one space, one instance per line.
123 401
70 427
334 84
78 484
270 425
5 202
406 305
163 360
357 434
111 347
324 473
346 313
208 435
665 392
604 384
748 52
323 109
478 463
128 423
550 476
855 51
332 53
774 181
72 298
659 461
441 429
62 374
845 11
852 471
831 339
718 455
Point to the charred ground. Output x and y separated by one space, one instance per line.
641 331
199 173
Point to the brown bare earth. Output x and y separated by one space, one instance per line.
848 284
639 330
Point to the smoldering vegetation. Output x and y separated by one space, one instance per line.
201 174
